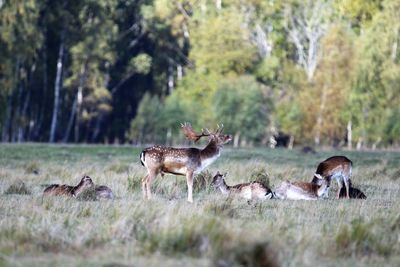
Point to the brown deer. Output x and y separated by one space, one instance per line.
302 190
337 167
67 190
249 191
182 161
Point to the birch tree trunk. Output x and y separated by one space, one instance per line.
57 88
79 100
349 135
22 125
70 122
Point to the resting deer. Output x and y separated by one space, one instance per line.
249 191
302 190
337 167
182 161
103 191
67 190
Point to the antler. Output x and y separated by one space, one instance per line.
191 134
219 129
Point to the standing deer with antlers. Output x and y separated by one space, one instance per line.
182 161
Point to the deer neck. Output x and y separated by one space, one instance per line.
224 188
212 150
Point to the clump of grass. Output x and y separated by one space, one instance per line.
359 239
257 254
19 188
260 174
222 207
395 175
87 195
118 167
202 181
195 237
134 183
31 167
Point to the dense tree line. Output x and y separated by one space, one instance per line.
323 72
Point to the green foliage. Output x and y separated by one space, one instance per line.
140 64
148 123
220 44
261 175
243 105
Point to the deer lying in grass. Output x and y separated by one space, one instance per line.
302 190
103 191
182 161
337 167
249 191
67 190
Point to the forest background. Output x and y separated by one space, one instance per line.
113 71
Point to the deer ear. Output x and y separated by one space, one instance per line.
319 176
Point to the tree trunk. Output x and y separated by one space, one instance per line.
70 122
22 123
7 120
291 142
171 82
236 139
17 115
6 132
102 115
42 108
57 88
79 100
349 135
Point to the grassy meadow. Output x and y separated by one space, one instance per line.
213 231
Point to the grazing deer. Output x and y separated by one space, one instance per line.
353 192
67 190
302 190
103 191
337 167
182 161
249 191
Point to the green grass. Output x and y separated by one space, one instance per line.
214 231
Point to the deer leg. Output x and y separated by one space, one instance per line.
144 186
346 183
189 180
150 179
340 185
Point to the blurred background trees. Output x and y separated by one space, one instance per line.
323 72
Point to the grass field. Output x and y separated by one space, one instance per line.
214 231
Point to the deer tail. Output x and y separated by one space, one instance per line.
142 157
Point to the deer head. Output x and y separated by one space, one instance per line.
218 179
86 182
319 179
